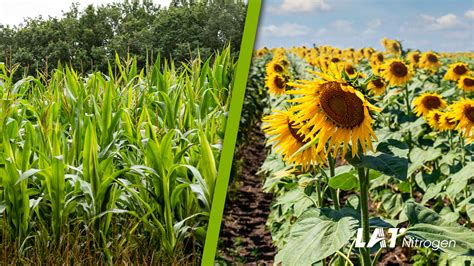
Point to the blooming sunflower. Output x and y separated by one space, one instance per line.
463 111
396 72
275 67
447 121
428 102
429 60
350 70
377 86
284 62
466 83
392 46
414 57
275 83
375 61
332 111
433 119
288 138
456 70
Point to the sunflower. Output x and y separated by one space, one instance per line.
275 67
377 86
392 46
463 111
447 121
287 138
284 62
260 53
335 59
428 102
376 60
456 70
350 70
430 61
332 111
275 83
396 72
414 58
466 83
433 119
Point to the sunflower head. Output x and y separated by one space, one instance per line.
275 83
333 113
433 119
466 83
428 102
430 61
456 71
392 46
463 111
284 62
377 57
275 67
350 70
377 86
335 60
414 58
447 121
396 72
288 138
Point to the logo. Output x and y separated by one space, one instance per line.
387 237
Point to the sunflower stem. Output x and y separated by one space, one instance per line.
463 150
364 210
407 99
334 196
318 188
451 144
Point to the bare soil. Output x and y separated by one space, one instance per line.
244 238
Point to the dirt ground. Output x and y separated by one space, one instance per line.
244 238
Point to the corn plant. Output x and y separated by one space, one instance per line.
86 154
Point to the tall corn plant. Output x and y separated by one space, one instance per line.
100 151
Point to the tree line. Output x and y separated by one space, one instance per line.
88 39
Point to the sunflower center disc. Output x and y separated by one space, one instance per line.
399 69
295 134
416 57
380 57
395 47
350 70
432 58
460 70
469 112
344 109
279 82
378 83
278 68
431 102
468 82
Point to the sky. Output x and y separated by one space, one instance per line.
439 25
13 12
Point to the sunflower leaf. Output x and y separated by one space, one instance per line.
312 228
384 163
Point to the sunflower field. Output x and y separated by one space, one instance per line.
370 140
114 167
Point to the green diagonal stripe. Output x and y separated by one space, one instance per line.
233 120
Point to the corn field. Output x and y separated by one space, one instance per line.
113 168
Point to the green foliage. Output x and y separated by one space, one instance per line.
134 149
88 39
